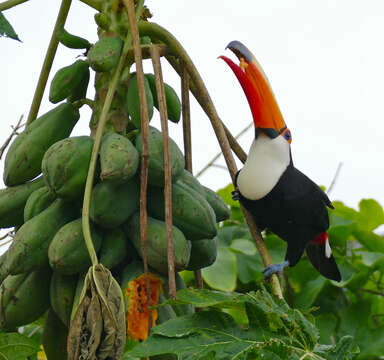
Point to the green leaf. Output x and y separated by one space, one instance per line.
15 346
243 246
306 297
326 323
228 233
371 215
6 28
249 268
226 195
370 240
222 274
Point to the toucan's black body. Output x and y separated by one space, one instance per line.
296 210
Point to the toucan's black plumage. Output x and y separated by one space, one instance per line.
280 197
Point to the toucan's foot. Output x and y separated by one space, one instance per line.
274 269
235 195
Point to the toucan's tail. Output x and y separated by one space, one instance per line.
320 255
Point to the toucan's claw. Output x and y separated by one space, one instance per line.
274 269
235 195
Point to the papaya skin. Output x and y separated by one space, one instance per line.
171 98
38 201
156 158
29 248
55 335
105 54
24 156
203 253
111 204
67 80
13 200
119 159
191 213
24 298
114 248
157 244
65 166
133 100
68 254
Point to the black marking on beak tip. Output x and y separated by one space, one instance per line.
240 50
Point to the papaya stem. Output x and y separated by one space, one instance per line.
47 65
156 31
96 4
129 5
95 151
10 4
79 103
167 169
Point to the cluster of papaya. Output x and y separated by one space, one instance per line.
45 173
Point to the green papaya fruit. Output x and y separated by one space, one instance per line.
29 248
172 100
38 201
54 339
112 204
119 159
145 40
157 244
105 54
203 253
102 21
165 312
191 213
188 179
113 248
68 253
80 91
3 270
67 80
24 298
221 209
156 157
65 166
62 292
72 41
133 100
12 202
23 160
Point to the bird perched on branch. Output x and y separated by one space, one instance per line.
280 197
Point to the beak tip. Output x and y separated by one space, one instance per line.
240 50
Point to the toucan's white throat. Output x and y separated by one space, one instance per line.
267 160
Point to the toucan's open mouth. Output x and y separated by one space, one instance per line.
265 111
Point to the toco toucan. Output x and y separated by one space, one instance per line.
280 197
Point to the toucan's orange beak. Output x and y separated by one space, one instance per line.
265 111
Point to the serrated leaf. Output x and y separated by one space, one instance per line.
222 274
243 246
6 28
15 346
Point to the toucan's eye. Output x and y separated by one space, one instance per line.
287 135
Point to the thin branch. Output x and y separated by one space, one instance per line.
10 3
167 169
14 132
373 292
47 65
157 32
186 111
335 177
211 163
129 5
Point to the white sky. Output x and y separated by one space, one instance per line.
324 59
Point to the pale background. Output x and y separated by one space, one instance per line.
324 59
